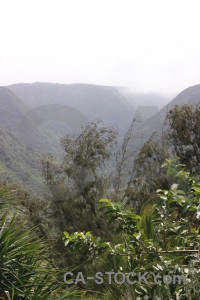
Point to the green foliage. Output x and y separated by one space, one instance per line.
90 149
19 163
79 181
24 271
147 174
73 187
86 243
165 243
184 124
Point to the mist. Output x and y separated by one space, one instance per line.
148 46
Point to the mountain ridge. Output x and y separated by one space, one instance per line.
94 101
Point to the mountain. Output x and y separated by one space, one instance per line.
93 101
26 133
12 109
143 113
33 117
41 128
33 127
190 96
145 99
19 163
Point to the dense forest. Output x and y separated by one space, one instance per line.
109 212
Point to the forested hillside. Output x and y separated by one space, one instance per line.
37 115
99 150
99 200
19 163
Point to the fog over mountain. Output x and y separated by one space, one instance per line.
146 99
154 124
145 45
33 118
99 149
93 101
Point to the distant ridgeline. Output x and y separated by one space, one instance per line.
33 118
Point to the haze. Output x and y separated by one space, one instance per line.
149 46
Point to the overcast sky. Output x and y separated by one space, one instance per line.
148 45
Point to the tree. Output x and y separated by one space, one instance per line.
25 273
184 133
87 168
147 174
167 244
75 184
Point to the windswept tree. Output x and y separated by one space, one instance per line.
88 169
184 133
82 178
146 174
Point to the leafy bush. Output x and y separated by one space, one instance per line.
24 271
165 242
